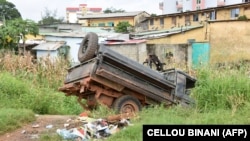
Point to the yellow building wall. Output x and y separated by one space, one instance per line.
222 14
140 17
229 41
198 34
180 21
246 11
95 22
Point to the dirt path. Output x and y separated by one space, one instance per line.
34 130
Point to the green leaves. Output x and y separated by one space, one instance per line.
8 10
11 33
122 27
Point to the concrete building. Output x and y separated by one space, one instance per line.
51 50
220 33
72 13
176 6
110 20
199 17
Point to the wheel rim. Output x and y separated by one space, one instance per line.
85 46
129 108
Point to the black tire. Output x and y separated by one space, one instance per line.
127 104
88 47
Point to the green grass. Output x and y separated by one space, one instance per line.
222 97
179 115
20 93
226 88
11 119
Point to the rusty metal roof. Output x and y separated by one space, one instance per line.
50 46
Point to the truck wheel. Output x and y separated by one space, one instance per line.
88 47
127 104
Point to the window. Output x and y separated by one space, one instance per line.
212 15
198 7
161 21
187 19
101 24
174 20
111 24
235 12
198 1
151 21
195 17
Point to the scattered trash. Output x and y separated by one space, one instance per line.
35 136
49 126
35 125
23 132
85 128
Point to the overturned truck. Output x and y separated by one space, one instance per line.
107 77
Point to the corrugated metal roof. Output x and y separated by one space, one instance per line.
110 15
124 42
49 46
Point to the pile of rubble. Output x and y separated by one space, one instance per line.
85 128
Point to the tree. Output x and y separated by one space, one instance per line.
8 11
113 10
50 17
153 15
7 38
122 27
11 33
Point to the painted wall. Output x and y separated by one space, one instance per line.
44 54
72 42
195 4
229 41
190 5
198 34
139 53
105 21
221 14
136 52
179 53
133 20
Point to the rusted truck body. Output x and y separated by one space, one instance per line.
121 83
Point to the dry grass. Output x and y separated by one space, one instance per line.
46 71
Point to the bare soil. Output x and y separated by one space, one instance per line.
44 124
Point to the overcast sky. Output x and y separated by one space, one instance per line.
33 9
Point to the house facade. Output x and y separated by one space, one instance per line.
112 19
51 50
72 13
199 17
222 32
178 6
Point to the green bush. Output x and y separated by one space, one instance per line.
20 93
222 88
11 119
244 17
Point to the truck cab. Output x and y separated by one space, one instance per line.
183 84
